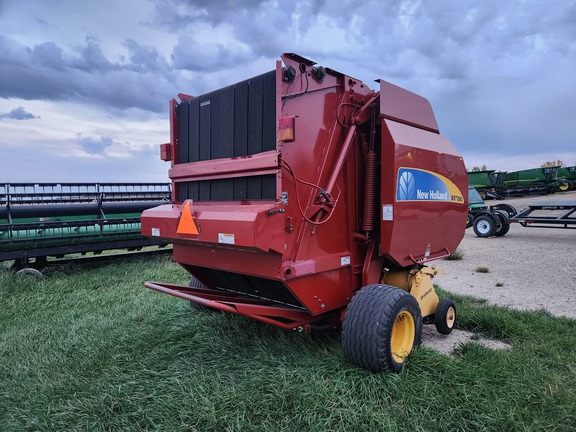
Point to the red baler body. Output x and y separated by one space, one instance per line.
299 187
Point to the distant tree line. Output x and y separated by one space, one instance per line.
548 164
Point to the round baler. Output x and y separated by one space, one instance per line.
306 200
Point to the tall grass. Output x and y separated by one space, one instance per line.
88 348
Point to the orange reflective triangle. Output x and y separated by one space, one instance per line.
187 225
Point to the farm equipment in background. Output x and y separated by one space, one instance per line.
568 175
532 181
493 221
497 219
42 220
306 200
492 184
488 183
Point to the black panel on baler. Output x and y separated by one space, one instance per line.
253 286
238 120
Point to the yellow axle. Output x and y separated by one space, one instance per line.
418 282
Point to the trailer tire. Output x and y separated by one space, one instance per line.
507 208
485 225
504 224
445 316
381 327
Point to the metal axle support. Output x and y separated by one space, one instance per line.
418 282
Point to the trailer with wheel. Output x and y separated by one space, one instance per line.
306 200
55 220
496 221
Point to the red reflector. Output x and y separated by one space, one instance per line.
286 129
165 152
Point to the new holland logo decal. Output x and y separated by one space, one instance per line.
422 185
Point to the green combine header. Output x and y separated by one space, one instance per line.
41 220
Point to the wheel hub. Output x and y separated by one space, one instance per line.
483 227
402 339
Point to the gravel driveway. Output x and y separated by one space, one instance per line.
528 268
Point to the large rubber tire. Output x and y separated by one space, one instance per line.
567 186
485 225
483 193
445 316
29 271
564 187
381 327
504 224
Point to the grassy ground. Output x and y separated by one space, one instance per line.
91 349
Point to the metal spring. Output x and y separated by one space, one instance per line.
369 192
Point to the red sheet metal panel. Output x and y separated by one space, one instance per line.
424 195
259 226
403 106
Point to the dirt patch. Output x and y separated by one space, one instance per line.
446 344
528 269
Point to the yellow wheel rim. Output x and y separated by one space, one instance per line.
402 339
564 187
450 317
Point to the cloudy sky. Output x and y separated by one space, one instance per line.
85 85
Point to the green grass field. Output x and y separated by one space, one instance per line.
89 349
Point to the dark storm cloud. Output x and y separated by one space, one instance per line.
45 71
18 114
498 74
488 68
95 145
145 58
181 13
91 58
254 29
